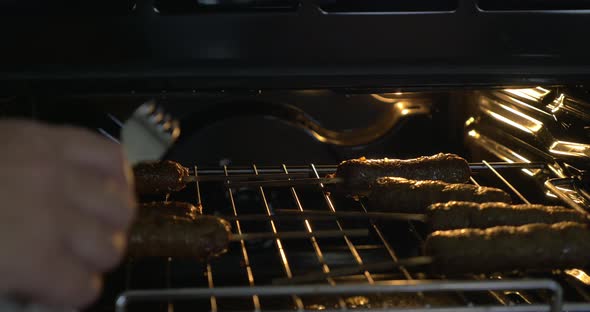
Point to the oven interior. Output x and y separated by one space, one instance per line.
293 87
530 141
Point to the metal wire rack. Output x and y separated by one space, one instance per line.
246 278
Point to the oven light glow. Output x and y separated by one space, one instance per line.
357 301
534 125
521 159
510 122
534 94
516 118
528 172
572 194
564 190
557 171
316 307
470 121
570 149
579 275
557 104
385 99
308 226
391 97
506 155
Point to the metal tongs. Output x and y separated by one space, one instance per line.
148 133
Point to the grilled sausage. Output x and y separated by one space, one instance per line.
402 195
159 177
359 174
460 215
505 248
177 232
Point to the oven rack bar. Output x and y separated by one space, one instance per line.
315 277
555 305
296 235
314 171
326 215
319 255
295 171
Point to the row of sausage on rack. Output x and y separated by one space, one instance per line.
473 229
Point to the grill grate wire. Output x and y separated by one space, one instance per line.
499 294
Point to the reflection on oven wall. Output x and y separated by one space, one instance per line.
329 127
532 124
272 127
323 126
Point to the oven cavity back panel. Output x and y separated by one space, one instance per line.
367 45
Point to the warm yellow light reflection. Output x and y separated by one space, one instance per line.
579 275
516 118
572 194
531 123
557 104
308 226
473 133
549 194
520 158
509 121
534 94
570 149
385 99
469 121
507 155
316 307
529 172
357 301
558 171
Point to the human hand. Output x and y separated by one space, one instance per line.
68 201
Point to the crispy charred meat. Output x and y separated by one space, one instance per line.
411 196
202 238
177 230
506 248
359 174
159 177
459 215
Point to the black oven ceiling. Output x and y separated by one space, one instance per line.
296 44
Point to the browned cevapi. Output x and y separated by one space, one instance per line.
355 176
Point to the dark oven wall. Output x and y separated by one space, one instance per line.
293 43
274 127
